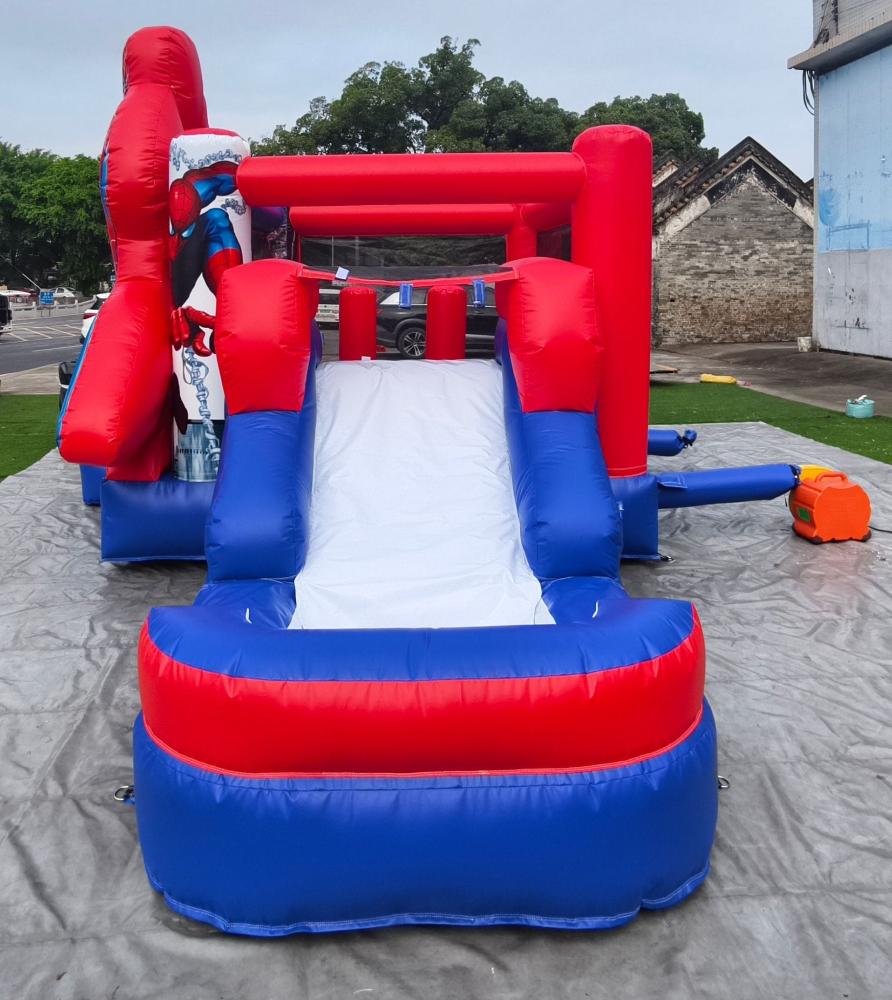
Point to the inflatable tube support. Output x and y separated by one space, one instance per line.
668 443
755 482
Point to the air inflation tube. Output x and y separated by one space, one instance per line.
753 482
663 442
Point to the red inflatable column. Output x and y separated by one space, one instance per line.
447 321
358 322
521 240
611 234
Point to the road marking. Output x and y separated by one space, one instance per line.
58 347
9 333
61 334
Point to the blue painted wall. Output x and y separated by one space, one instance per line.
854 184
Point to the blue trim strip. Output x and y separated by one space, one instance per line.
431 919
579 851
618 633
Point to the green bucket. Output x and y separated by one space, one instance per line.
860 408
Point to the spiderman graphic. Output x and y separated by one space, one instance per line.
201 244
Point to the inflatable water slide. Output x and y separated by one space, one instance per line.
413 688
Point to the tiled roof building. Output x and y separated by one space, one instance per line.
732 249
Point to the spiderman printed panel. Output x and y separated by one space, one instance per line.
210 231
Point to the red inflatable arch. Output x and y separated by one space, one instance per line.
602 188
119 414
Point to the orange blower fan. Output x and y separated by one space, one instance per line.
828 508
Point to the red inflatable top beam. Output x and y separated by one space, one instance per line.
544 216
406 178
402 220
425 220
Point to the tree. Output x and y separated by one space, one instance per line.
305 137
62 204
672 125
503 117
445 104
443 81
373 115
384 108
22 249
51 221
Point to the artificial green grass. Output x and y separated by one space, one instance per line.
693 404
27 430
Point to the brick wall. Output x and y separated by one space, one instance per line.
741 272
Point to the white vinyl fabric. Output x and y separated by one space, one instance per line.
412 521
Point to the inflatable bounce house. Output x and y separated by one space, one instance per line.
413 689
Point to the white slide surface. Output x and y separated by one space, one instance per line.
412 521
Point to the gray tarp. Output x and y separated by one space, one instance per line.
798 903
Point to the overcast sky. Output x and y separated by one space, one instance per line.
264 60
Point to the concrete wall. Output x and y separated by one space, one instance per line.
740 272
853 276
850 13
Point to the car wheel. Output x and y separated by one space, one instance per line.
410 341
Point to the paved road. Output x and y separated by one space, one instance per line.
32 341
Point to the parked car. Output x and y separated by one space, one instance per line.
91 312
5 312
404 329
64 296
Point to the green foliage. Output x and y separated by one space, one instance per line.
443 81
372 115
444 104
503 117
21 246
672 125
51 223
63 205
